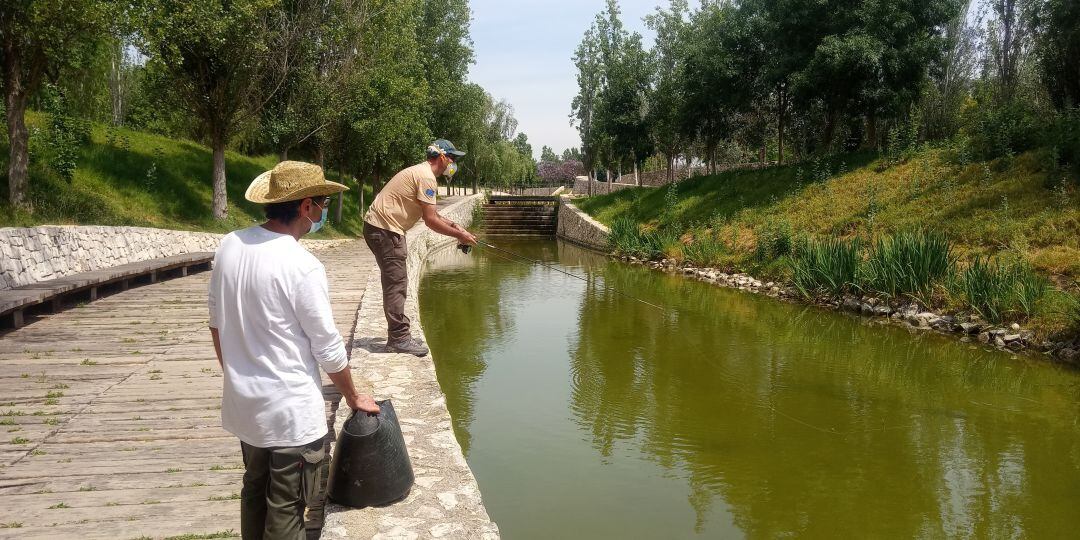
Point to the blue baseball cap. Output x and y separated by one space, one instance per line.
441 146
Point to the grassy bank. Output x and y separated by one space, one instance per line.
125 177
841 224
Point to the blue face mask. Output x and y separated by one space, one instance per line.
316 225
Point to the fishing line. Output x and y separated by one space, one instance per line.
522 258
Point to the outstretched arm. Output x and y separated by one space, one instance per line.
444 226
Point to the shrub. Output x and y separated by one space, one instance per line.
1003 130
998 290
774 241
907 264
825 266
1063 137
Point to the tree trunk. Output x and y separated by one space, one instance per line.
221 203
782 109
637 179
830 129
607 176
15 98
360 182
320 158
341 196
19 155
116 82
871 131
283 154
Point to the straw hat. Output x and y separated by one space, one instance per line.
290 181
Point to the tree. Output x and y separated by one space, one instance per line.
583 108
1058 49
571 154
548 155
521 142
39 39
443 38
225 60
1009 37
387 105
666 96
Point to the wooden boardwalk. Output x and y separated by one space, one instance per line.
109 413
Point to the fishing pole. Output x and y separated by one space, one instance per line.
467 248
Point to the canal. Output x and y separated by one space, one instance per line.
585 414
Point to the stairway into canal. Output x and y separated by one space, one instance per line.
509 215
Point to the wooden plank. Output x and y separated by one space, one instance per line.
134 415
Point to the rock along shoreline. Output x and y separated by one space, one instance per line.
968 327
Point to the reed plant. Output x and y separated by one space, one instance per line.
907 264
626 238
829 265
705 250
1000 290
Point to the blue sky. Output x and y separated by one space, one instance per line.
523 55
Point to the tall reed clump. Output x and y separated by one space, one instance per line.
830 265
627 239
1000 290
908 264
705 250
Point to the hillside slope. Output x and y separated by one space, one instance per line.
125 177
1019 206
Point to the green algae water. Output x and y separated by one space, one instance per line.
585 414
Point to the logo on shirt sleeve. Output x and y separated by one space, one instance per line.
429 192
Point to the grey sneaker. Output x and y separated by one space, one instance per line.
408 346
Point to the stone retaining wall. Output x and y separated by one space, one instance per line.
581 187
33 254
445 502
29 255
580 228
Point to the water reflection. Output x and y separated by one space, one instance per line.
739 415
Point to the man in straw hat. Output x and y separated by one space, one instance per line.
273 329
404 200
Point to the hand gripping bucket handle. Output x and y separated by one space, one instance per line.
370 465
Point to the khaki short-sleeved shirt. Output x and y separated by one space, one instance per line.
398 206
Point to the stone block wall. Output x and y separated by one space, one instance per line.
580 228
581 187
32 254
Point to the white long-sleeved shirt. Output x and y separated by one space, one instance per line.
270 303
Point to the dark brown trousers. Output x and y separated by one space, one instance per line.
390 254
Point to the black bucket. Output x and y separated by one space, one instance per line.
371 466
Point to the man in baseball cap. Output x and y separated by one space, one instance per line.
404 200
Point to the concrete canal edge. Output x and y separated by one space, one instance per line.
580 228
445 502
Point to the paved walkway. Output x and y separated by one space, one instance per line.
109 414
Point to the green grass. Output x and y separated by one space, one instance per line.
757 221
110 185
982 208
